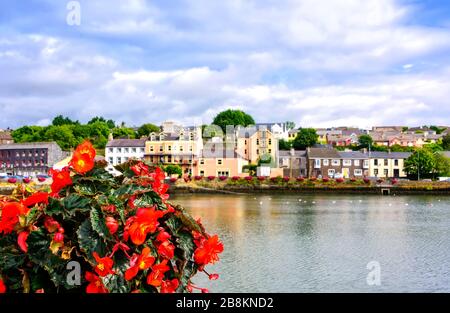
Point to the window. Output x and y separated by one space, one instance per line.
151 148
125 159
347 162
270 150
366 163
336 162
190 148
160 148
257 151
169 148
142 150
356 162
375 172
257 142
245 151
110 150
316 163
181 148
133 150
270 142
169 159
202 161
326 162
331 172
396 162
119 160
385 162
358 172
375 162
127 150
223 173
111 160
219 161
119 150
386 172
202 173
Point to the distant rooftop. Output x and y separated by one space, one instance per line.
126 143
29 145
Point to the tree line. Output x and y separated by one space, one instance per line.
68 133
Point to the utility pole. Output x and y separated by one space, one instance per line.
418 165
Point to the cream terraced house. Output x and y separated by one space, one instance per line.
183 147
387 164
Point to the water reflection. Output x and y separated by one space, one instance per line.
312 243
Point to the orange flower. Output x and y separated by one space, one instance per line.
139 263
104 265
2 286
145 221
156 276
10 216
38 197
169 286
22 241
82 163
95 284
208 250
61 179
166 249
86 148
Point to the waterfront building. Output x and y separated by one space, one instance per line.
29 159
257 143
293 162
387 164
328 162
182 146
220 163
119 151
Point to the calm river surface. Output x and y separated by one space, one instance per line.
323 243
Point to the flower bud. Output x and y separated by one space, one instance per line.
112 225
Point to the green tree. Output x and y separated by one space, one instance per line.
441 164
28 134
111 124
61 120
233 117
284 144
420 164
290 125
146 129
173 170
446 142
306 137
63 136
365 141
437 129
124 132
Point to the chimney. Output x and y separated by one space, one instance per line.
110 137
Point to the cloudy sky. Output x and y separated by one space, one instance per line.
314 62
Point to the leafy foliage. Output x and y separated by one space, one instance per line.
233 117
123 232
306 137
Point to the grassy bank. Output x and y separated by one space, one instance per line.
283 185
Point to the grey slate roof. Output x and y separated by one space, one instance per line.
352 155
389 155
323 153
126 143
29 145
287 153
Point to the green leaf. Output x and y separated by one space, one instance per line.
98 223
76 203
128 190
174 224
116 284
90 241
54 207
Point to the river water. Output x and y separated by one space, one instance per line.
325 243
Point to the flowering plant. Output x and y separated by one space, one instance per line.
121 232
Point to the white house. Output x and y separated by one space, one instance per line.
119 151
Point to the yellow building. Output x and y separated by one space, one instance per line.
255 144
387 164
181 148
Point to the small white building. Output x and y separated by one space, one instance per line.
119 151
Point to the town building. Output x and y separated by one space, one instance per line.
292 133
221 162
279 130
257 143
387 164
328 162
119 151
6 138
180 147
29 159
293 162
